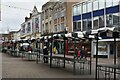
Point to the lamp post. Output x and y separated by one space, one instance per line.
88 33
115 35
74 35
51 41
96 37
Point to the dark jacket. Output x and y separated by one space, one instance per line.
45 51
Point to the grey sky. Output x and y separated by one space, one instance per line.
13 17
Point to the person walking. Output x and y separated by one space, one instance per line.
82 52
45 52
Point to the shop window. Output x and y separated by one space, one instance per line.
95 22
101 4
108 3
95 5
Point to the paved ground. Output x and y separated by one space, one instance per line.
17 68
14 67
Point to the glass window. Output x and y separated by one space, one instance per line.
79 26
84 8
89 6
62 26
79 9
109 20
115 2
75 10
101 22
116 19
95 22
95 5
89 24
84 24
108 3
101 4
74 26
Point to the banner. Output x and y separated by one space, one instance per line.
37 24
28 27
23 28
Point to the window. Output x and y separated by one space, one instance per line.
77 9
95 5
84 25
95 22
55 21
47 28
89 6
116 19
74 26
101 4
108 3
101 22
109 20
28 27
79 26
115 2
113 20
84 8
62 19
62 27
87 24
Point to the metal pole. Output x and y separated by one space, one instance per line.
64 52
37 51
51 40
114 58
74 55
96 54
90 56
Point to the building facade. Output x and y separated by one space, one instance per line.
97 14
31 28
56 16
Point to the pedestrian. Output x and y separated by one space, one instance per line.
85 53
82 52
29 49
45 52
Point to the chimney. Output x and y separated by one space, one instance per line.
26 18
30 15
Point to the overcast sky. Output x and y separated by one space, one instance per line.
13 17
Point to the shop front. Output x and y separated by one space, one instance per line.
106 48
